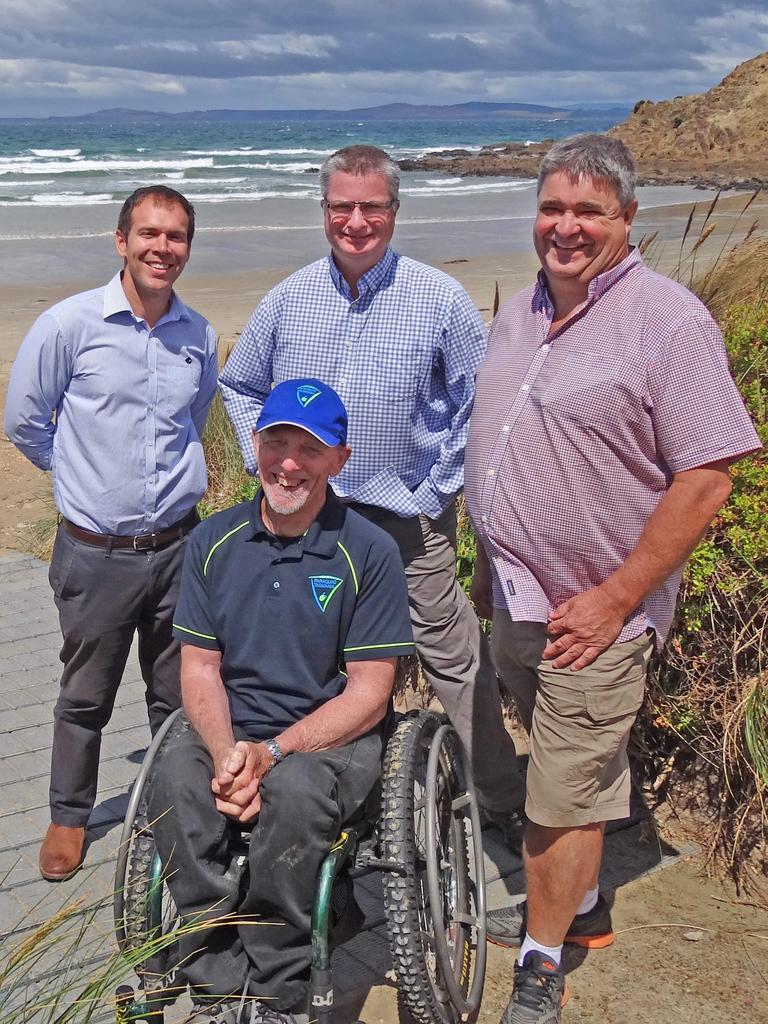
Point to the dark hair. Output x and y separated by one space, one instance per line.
163 196
360 161
595 157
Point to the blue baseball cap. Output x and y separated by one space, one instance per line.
307 403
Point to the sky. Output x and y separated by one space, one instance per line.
74 56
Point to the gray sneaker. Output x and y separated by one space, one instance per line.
538 992
253 1011
593 930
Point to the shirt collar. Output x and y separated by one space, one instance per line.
372 280
597 286
323 533
116 301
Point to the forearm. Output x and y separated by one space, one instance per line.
343 719
680 520
206 706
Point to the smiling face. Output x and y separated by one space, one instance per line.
294 467
581 230
358 242
155 251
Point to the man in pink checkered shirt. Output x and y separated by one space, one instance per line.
604 423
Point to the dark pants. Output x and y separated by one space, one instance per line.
104 597
304 802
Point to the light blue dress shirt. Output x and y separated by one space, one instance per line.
402 356
130 404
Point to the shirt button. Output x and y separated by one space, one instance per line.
342 382
484 519
506 428
276 585
491 472
545 348
526 387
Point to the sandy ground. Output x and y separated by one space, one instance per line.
653 974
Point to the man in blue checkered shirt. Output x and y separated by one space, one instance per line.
400 343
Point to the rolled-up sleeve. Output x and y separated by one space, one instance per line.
39 378
462 346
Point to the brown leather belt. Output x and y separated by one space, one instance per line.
140 542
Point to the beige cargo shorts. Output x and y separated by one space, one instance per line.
578 722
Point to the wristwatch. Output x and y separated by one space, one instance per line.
274 749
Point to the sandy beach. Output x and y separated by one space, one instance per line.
490 250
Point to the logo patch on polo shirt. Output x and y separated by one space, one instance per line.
306 394
323 589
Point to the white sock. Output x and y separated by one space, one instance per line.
589 902
554 953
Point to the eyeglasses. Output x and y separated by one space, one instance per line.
369 211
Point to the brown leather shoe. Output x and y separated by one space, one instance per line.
61 854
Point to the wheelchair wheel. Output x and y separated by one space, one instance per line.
435 908
145 914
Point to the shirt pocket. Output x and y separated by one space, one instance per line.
393 377
592 387
182 380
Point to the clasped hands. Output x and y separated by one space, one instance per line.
239 772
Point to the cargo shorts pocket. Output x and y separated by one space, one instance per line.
605 704
617 683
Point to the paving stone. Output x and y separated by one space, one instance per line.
29 764
12 742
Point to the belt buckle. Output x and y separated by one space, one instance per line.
149 538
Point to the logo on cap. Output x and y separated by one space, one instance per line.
306 394
323 589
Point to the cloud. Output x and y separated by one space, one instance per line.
299 53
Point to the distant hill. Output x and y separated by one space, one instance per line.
475 111
719 137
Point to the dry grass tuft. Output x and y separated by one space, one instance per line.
740 276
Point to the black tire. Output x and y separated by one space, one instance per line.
140 874
406 899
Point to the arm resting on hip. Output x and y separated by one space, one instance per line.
588 623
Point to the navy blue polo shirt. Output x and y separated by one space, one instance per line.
288 614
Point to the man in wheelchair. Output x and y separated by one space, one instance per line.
292 614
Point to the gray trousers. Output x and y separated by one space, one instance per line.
304 802
103 598
454 652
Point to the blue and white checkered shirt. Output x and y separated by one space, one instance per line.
402 356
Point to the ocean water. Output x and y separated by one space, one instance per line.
83 163
254 188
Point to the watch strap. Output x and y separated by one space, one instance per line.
274 748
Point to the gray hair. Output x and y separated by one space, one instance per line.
361 160
597 157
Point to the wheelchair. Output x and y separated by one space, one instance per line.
422 833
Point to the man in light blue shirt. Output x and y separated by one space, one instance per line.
400 342
110 391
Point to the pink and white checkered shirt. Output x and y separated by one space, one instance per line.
574 438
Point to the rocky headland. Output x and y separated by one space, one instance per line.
718 139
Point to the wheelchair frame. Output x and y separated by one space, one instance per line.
434 904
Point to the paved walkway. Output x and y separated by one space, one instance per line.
29 676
